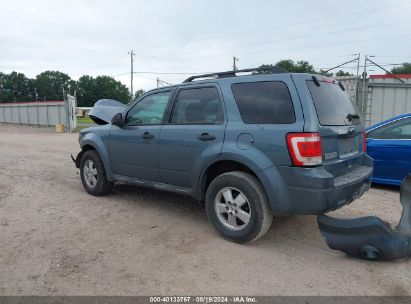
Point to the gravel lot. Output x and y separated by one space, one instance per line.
57 240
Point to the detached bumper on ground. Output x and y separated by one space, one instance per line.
370 237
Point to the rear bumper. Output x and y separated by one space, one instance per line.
370 237
293 190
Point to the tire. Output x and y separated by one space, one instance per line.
220 211
91 164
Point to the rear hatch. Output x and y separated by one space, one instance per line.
340 127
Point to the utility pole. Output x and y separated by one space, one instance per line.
364 79
357 84
235 60
132 72
162 82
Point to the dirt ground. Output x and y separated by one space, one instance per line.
55 239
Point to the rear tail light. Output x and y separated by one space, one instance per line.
305 149
364 147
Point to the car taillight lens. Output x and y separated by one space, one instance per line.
305 149
364 148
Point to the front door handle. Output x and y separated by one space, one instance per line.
147 135
206 136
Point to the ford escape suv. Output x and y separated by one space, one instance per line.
249 146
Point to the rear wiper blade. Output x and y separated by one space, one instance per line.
353 116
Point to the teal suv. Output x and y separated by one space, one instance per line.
249 146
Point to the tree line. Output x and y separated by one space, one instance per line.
305 67
49 85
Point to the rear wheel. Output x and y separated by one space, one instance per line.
237 207
93 175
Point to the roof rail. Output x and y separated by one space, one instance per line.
271 70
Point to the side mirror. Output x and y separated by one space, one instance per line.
117 120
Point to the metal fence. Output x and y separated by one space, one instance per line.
42 113
45 113
387 97
384 96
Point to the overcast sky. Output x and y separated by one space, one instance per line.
93 37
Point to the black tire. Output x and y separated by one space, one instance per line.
260 214
102 186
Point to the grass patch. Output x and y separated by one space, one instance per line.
79 128
85 119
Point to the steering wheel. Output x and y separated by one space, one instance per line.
154 117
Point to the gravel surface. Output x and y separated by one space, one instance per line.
55 239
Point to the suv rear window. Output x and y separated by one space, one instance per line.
333 105
266 102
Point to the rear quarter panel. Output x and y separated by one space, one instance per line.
263 145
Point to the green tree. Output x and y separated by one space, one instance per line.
325 73
139 93
289 65
404 69
5 93
342 73
15 87
50 84
90 89
264 69
86 91
298 67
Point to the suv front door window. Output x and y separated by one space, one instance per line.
133 146
148 111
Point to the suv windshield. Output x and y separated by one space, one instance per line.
333 105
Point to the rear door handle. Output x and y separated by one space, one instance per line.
206 136
147 135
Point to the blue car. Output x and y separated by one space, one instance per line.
389 144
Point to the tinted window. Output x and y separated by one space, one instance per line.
400 129
332 104
198 106
264 102
149 110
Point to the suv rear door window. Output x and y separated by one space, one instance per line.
265 102
198 106
333 105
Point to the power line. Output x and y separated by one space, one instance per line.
298 23
314 46
361 66
325 33
162 73
342 64
266 42
376 64
162 83
203 58
195 73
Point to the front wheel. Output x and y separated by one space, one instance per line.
93 175
237 207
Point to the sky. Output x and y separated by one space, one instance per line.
93 37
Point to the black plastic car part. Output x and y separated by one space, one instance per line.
370 237
268 70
